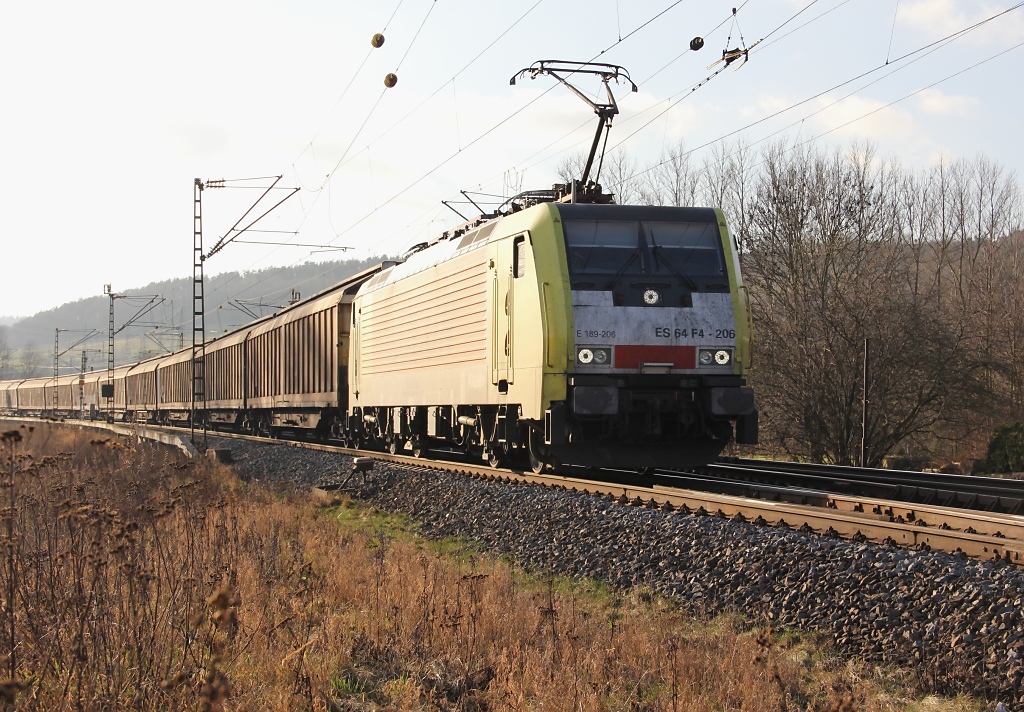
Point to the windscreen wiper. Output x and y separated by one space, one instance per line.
678 274
618 275
638 252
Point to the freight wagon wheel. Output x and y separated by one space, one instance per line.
396 446
419 448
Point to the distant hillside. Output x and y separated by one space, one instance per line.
228 296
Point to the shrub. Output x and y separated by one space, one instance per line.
1006 449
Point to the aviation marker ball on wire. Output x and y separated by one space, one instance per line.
377 40
391 80
696 43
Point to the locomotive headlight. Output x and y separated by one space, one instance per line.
598 357
714 357
651 297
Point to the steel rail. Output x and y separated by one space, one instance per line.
999 525
962 491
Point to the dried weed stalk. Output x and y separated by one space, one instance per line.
133 579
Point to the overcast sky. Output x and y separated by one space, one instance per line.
112 109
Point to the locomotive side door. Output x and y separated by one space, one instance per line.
507 265
502 305
353 358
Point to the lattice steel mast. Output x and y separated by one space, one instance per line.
108 387
198 313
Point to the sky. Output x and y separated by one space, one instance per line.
112 109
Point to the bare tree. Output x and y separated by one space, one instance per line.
571 167
673 180
729 184
840 247
829 269
30 362
620 174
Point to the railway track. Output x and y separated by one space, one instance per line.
985 535
988 494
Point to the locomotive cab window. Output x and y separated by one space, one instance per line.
519 257
691 251
613 254
601 251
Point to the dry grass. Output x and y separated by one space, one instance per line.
134 580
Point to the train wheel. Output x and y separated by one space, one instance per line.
419 448
498 455
396 446
538 462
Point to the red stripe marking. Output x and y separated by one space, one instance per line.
633 356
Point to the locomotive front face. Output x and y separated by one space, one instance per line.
660 328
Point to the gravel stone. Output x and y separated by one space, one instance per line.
958 621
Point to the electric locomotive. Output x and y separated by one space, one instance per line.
569 330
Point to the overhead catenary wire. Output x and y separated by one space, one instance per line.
687 93
892 32
342 162
765 45
913 93
937 44
829 105
775 30
588 121
490 130
645 24
789 20
340 234
348 86
859 76
675 59
455 76
318 191
520 19
477 139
